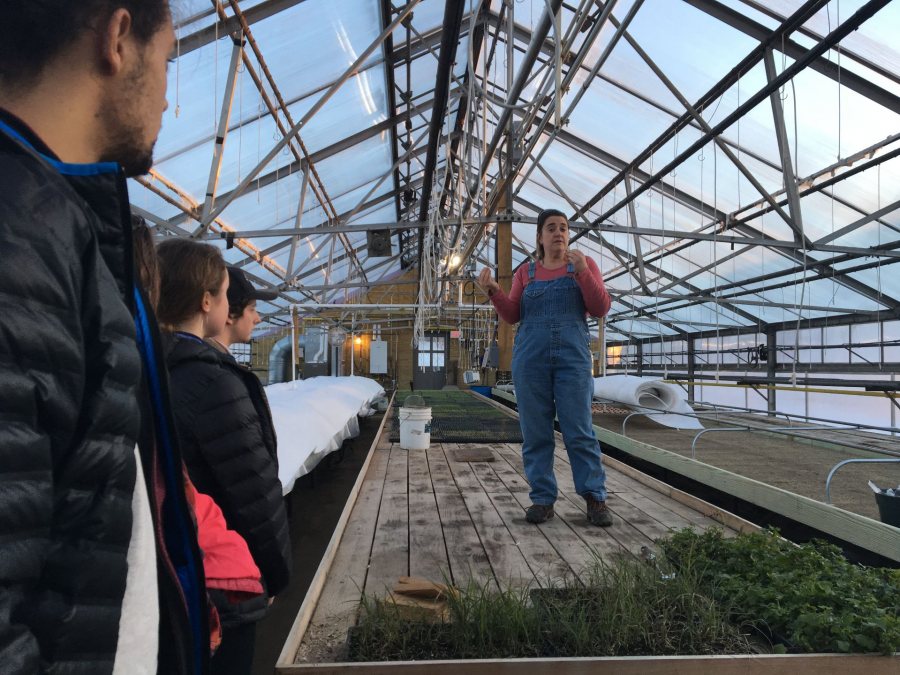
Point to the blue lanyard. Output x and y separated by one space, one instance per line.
177 537
188 336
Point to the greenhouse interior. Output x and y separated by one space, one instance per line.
386 173
731 167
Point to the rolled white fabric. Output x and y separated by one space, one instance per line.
642 393
313 417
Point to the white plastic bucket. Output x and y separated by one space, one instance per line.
415 428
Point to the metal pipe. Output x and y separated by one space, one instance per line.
839 465
774 430
453 14
293 345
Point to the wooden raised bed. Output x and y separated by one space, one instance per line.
476 506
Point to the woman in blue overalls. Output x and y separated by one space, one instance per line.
551 364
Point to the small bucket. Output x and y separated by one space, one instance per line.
415 428
888 508
484 391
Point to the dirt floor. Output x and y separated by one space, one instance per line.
794 465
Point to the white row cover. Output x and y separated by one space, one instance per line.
313 418
649 394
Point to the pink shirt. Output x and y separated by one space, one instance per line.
596 299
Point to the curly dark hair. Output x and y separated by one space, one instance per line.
34 32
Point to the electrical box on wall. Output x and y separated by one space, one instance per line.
378 357
491 357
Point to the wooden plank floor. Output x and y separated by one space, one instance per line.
423 513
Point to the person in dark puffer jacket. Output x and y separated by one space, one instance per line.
99 570
226 433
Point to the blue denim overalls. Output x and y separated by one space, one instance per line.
552 363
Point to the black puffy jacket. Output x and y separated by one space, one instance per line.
70 417
228 440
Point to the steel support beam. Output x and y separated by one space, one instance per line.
638 252
865 220
320 155
295 129
529 59
323 229
705 128
317 185
555 129
844 76
833 38
797 19
390 59
784 151
222 130
297 222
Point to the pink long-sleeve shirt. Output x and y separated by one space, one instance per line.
596 299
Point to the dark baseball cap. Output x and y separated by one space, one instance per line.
241 291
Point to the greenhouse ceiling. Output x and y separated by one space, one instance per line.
729 165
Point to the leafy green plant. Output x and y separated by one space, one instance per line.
809 597
623 607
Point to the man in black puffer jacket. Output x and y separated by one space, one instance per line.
91 582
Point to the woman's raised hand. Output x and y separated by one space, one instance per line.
486 281
578 260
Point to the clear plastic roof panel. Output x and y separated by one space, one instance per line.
704 224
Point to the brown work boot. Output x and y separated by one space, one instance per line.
539 513
598 512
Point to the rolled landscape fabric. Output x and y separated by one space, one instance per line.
313 417
649 394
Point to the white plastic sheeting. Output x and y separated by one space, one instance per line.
313 418
651 393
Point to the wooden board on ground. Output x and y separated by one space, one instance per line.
397 479
463 475
478 453
752 664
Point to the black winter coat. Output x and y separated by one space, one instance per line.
228 440
70 415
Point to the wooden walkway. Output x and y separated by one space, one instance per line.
427 513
